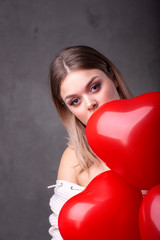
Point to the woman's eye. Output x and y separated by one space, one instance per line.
95 87
74 102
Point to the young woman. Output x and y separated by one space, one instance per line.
81 80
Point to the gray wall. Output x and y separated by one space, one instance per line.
32 138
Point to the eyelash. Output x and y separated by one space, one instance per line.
72 102
97 85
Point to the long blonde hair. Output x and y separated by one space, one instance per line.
75 58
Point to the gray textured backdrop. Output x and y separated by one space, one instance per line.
32 137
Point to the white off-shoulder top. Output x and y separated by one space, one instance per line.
63 191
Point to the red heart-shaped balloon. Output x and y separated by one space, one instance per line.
125 135
108 208
149 215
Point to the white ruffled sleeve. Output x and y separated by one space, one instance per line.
63 191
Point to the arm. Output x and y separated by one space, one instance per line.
63 190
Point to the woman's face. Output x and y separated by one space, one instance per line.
84 91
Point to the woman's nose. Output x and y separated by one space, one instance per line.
92 105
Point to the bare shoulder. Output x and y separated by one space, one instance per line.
67 167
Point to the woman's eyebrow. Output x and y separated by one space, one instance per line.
69 96
88 84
